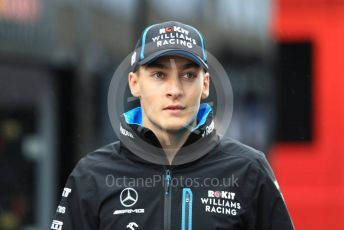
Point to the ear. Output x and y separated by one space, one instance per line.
133 84
205 89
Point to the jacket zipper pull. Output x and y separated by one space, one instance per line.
167 181
187 198
186 209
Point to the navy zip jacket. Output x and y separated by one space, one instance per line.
229 186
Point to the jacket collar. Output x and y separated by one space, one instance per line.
133 133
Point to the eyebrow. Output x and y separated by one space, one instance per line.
162 66
156 65
191 65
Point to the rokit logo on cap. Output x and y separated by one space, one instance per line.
175 35
174 29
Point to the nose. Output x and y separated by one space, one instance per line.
174 88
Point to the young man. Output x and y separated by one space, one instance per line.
119 187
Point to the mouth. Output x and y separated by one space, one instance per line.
174 107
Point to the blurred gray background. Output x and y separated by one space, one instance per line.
57 58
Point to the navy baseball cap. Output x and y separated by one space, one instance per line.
169 38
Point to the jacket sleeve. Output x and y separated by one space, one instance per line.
269 211
77 206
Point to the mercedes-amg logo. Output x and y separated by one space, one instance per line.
128 197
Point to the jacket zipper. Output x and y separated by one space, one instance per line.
187 209
167 200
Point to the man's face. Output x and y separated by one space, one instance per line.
170 90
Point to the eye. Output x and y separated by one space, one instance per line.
189 75
158 75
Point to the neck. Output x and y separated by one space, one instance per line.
172 141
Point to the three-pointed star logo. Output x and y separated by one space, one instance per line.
128 197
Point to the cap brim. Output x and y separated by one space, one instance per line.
181 53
